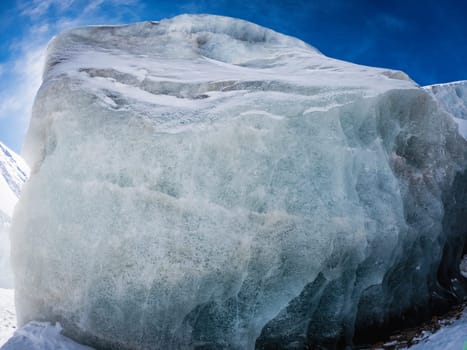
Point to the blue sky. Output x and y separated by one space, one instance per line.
425 38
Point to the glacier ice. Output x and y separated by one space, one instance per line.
13 174
203 182
452 97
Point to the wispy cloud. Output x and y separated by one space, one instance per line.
22 74
24 78
38 8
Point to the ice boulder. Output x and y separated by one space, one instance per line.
203 182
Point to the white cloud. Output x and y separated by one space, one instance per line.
17 101
38 8
93 5
25 71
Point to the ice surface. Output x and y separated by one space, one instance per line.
13 174
202 182
453 98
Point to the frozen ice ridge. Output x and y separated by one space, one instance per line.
452 97
203 182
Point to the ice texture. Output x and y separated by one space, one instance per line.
203 182
13 174
452 97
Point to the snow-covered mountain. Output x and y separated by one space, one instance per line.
206 182
13 174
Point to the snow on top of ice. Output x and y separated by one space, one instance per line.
273 190
189 54
452 97
179 49
13 173
197 62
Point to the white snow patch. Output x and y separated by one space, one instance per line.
450 337
7 314
34 335
13 173
41 336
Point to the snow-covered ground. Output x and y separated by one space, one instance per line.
41 336
7 315
452 336
34 335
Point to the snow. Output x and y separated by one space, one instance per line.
13 173
449 337
7 315
223 185
32 336
452 96
41 336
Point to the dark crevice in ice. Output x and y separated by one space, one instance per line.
448 287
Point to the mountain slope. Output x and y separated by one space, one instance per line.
13 174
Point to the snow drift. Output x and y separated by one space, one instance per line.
203 182
41 336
